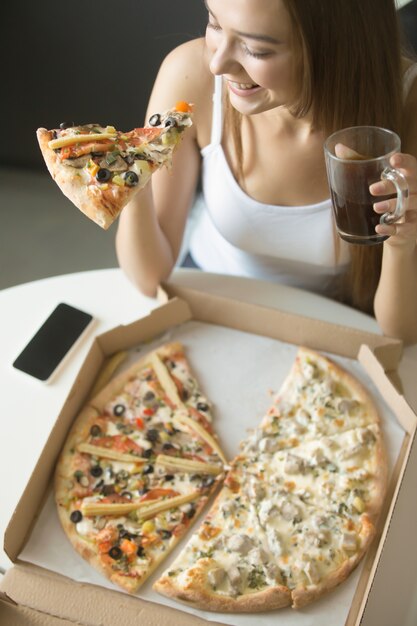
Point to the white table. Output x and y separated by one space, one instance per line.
30 408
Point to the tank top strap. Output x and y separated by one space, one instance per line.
217 119
408 78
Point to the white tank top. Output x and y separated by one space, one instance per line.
235 234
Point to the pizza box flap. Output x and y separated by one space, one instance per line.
387 388
12 614
63 598
289 327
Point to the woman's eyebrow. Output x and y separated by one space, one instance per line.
263 38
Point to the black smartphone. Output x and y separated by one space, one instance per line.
53 341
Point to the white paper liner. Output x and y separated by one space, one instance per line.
238 372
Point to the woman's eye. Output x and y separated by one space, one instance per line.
213 26
256 55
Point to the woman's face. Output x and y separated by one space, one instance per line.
249 45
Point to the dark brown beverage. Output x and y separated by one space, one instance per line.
356 221
353 203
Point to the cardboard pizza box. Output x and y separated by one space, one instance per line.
29 591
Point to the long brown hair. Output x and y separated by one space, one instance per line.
348 68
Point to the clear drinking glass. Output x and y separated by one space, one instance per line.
355 158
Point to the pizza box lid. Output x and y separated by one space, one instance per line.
69 600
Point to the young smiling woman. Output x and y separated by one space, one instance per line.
270 81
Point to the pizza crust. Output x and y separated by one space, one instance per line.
196 591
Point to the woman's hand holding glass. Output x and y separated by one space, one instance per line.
403 232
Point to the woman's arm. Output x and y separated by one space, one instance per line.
151 227
396 297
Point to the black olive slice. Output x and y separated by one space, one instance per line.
131 178
202 406
95 430
165 534
155 120
96 471
119 409
115 553
76 516
64 125
103 175
171 122
152 435
148 469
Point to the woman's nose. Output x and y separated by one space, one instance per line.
222 60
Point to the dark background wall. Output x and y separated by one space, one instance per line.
90 61
84 61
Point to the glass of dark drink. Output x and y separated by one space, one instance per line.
355 158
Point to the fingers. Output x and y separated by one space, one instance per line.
407 165
405 162
344 152
385 206
403 230
406 230
382 188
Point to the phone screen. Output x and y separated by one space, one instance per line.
53 340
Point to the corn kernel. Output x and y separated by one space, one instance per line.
148 526
359 504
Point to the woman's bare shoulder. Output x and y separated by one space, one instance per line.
184 75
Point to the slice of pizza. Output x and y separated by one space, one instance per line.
347 471
100 168
228 566
318 398
262 548
138 466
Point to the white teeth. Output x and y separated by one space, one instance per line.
243 85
